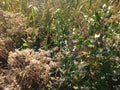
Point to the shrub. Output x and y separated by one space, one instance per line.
35 67
97 45
83 36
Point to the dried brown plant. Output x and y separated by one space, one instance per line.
13 33
31 70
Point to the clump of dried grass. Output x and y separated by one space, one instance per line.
27 69
13 33
13 25
6 45
32 70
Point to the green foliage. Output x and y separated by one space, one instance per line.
86 32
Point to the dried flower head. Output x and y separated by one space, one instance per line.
35 67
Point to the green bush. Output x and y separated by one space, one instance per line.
84 36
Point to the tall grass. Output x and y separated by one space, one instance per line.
85 32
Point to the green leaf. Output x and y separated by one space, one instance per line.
25 44
98 16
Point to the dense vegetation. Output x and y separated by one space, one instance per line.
59 44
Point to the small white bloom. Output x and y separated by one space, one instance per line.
73 29
85 16
109 7
91 19
57 10
68 19
73 32
97 35
61 36
103 77
104 6
108 11
35 8
65 41
30 6
74 48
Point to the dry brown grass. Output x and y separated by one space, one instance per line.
30 70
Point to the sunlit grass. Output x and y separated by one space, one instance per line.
85 32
